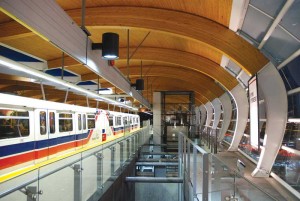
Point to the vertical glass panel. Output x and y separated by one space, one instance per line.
291 19
107 167
291 74
270 7
281 45
91 175
292 135
117 158
57 180
18 195
287 167
256 24
294 106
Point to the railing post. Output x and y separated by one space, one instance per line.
99 170
121 153
188 161
194 171
128 148
205 180
180 171
112 165
77 182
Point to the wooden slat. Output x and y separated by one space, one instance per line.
214 10
189 26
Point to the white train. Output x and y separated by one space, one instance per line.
33 131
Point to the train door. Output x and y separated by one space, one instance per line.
42 142
53 134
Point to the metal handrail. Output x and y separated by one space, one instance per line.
2 194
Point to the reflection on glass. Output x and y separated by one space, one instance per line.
287 167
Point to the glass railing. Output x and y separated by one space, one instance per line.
83 176
207 178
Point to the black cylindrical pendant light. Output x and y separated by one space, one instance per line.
139 84
110 46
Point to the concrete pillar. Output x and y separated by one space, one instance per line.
157 118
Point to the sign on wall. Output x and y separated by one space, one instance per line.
254 118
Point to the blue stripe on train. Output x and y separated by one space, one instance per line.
117 129
29 146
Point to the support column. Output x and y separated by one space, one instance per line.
203 115
157 118
227 112
240 97
217 110
209 109
272 86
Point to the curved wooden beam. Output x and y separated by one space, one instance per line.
189 60
186 25
169 71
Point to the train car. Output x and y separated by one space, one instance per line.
34 131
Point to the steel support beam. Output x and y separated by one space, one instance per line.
48 20
155 179
157 163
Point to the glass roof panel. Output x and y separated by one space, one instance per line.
256 24
270 7
291 20
281 45
291 73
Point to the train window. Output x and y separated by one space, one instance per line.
125 121
65 122
130 120
84 122
91 121
52 122
111 120
43 127
119 123
14 123
79 122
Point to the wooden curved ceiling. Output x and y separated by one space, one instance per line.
182 52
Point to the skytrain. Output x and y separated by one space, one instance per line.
33 131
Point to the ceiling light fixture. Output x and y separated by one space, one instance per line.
109 46
23 68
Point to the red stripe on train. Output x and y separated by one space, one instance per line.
23 158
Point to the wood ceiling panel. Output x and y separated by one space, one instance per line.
157 39
79 69
34 45
4 18
188 26
172 72
216 10
188 60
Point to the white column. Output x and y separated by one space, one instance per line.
209 109
240 97
227 112
273 89
157 118
217 109
203 115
